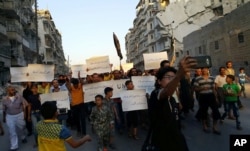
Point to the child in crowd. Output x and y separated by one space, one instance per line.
51 134
108 101
242 80
101 118
231 91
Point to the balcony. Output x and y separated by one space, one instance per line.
10 8
14 35
3 30
49 56
151 42
26 43
13 32
162 36
18 62
5 51
142 39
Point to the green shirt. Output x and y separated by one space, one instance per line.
232 89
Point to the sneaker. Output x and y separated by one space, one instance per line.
206 130
24 141
2 133
216 132
135 137
221 121
239 128
120 132
35 145
29 134
241 107
111 146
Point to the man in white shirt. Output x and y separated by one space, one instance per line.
220 80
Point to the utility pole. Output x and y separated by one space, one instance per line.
36 26
68 64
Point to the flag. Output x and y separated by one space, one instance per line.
117 46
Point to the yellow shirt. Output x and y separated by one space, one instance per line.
51 135
42 90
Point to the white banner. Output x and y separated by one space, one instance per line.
125 67
144 82
61 98
91 90
82 68
134 100
153 60
98 65
41 72
19 74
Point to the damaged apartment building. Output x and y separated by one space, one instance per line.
20 43
161 25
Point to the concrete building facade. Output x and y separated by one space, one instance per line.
50 47
19 40
17 36
169 23
224 39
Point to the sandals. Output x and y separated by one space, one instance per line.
136 137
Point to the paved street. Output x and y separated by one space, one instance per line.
197 140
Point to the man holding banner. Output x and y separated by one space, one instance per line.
132 116
63 114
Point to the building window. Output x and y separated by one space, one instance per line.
153 49
187 52
200 50
152 36
151 26
218 11
241 37
177 54
216 45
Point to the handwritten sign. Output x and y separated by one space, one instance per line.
41 72
19 74
153 60
134 100
82 68
91 90
61 98
144 82
98 65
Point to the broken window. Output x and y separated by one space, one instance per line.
218 11
216 45
177 54
153 49
200 50
241 37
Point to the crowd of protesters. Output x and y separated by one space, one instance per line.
23 109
